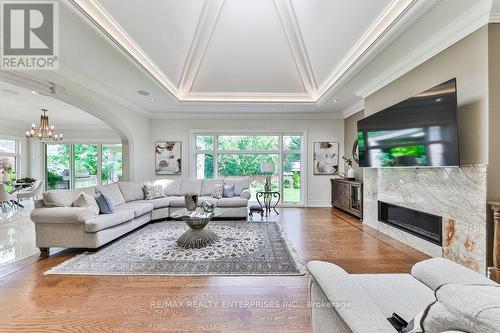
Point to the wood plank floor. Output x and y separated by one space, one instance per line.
33 302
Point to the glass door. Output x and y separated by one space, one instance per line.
58 166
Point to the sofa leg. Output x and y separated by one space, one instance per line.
44 251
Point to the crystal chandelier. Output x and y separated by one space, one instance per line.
44 131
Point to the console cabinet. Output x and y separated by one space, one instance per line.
347 195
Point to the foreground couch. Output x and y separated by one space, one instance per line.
58 224
358 303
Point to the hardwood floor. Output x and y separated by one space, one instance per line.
33 302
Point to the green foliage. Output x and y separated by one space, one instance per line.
296 180
287 183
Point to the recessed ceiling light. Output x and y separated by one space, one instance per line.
335 100
35 92
143 92
153 99
438 100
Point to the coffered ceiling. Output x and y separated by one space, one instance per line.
242 50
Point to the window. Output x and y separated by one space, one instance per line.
236 155
82 165
9 156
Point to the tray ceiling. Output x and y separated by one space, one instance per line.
242 50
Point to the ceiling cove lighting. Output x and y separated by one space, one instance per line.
44 130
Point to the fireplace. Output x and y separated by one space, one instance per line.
420 224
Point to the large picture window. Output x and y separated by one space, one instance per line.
224 155
82 165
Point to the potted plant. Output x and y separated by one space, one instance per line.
350 171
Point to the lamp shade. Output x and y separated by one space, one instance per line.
267 167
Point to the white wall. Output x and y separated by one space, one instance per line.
318 187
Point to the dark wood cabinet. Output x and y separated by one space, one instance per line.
347 195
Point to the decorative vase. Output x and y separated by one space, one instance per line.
350 173
191 202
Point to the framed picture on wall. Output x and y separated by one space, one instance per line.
326 158
168 157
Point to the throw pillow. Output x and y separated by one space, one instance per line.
228 191
106 205
153 191
85 200
218 191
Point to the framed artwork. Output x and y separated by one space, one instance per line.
326 158
168 157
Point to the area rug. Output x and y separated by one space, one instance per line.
244 248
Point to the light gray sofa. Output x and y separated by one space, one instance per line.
58 224
359 303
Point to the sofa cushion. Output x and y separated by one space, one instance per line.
113 191
105 221
85 200
171 187
191 186
176 201
232 202
208 186
400 293
468 308
106 204
158 202
60 198
240 184
131 191
139 208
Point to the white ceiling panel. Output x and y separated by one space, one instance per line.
164 29
248 52
331 28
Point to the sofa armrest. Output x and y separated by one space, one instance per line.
246 194
436 272
61 214
348 300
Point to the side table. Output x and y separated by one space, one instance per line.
267 198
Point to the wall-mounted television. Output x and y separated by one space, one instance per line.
421 131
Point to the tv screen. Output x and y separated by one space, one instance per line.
421 131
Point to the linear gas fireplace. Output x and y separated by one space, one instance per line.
420 224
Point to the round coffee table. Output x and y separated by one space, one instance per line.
197 236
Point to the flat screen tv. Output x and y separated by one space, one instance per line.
421 131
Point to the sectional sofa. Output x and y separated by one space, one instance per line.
59 224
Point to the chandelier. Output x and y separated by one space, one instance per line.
44 131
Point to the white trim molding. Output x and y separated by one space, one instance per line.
475 18
356 107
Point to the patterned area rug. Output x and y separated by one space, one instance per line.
244 248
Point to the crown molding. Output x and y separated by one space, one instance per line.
290 26
355 108
273 115
248 97
462 26
203 34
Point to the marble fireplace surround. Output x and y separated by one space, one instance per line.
456 194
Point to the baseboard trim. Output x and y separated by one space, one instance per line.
319 203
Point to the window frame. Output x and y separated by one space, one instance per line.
72 160
16 154
281 152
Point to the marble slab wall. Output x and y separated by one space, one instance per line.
456 194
